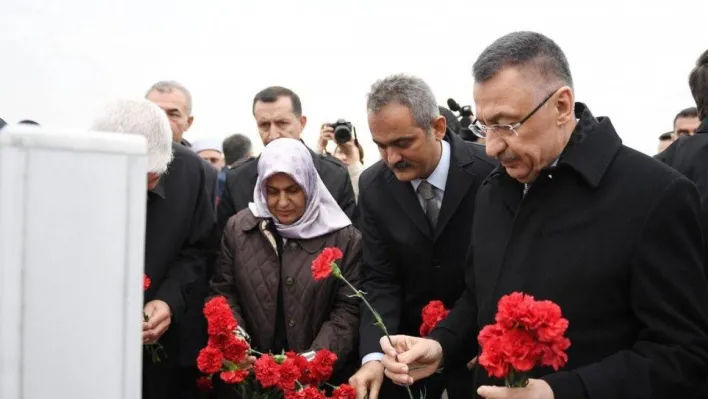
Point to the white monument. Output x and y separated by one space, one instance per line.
72 227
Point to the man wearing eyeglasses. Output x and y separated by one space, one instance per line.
573 216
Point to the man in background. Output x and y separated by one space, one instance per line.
237 147
665 141
176 101
278 113
179 225
686 122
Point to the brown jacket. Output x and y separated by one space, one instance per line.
319 314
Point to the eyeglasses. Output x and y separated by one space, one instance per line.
483 131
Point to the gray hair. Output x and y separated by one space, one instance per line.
524 49
167 86
144 118
409 91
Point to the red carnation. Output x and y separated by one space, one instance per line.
235 349
209 360
307 393
221 324
323 266
302 365
344 391
515 308
492 357
520 349
321 365
289 374
220 320
146 282
266 370
233 376
204 384
433 313
215 305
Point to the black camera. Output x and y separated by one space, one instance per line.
342 131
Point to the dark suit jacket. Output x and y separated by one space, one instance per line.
405 263
241 181
179 225
611 236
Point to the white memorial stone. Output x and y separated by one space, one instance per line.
72 227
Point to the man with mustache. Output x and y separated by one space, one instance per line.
416 208
573 216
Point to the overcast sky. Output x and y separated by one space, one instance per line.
62 60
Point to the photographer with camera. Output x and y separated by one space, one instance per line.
348 149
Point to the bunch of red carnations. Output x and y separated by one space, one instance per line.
288 375
527 333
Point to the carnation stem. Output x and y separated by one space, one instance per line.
379 321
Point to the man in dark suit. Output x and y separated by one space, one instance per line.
415 209
179 225
573 216
278 113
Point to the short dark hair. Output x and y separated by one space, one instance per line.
690 112
665 136
236 147
698 82
273 93
523 49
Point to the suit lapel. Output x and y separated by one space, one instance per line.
459 180
408 200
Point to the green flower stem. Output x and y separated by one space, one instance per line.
377 317
516 379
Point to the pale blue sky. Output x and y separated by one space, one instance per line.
61 61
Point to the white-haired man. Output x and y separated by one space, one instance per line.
180 221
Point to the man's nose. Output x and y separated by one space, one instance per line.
274 133
494 146
393 157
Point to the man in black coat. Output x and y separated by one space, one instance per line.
278 113
179 225
413 247
573 216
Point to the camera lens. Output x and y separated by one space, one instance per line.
342 134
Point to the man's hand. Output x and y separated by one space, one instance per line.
368 380
326 134
536 389
410 358
159 319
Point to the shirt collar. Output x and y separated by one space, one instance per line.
439 176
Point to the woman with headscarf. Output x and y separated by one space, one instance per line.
264 268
